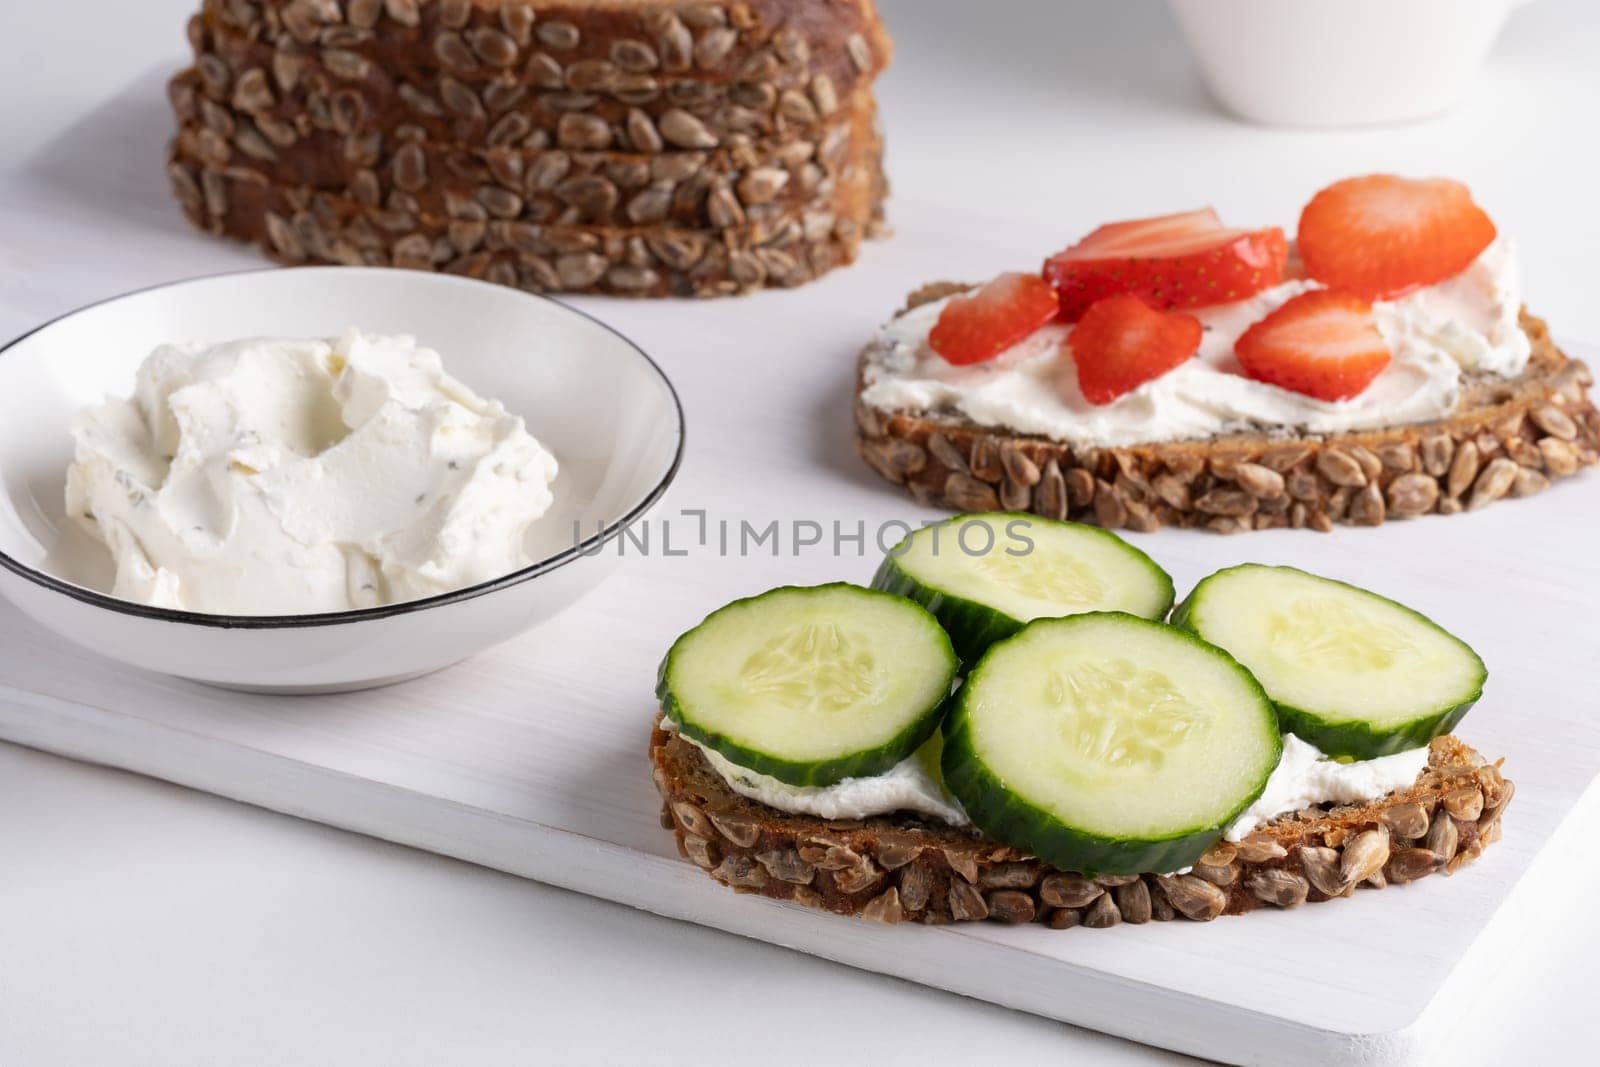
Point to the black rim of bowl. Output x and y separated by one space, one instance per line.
587 547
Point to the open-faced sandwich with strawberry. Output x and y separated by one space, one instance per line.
1014 723
1179 371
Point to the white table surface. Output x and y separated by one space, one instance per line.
141 923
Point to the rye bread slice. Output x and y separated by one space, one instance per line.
296 225
693 88
623 147
717 188
1508 438
903 868
712 189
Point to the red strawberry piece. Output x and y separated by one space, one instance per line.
1130 235
1171 261
1121 342
1323 343
1381 236
981 325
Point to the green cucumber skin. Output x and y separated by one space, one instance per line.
1360 741
791 772
974 626
1012 820
1357 740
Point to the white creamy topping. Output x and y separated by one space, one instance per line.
913 785
278 476
1305 777
1466 324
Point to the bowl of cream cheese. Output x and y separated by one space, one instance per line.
316 479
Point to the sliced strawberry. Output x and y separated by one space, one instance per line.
1381 236
1323 343
981 325
1129 236
1121 342
1172 261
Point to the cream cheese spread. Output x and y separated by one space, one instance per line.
913 785
279 476
1304 777
1467 324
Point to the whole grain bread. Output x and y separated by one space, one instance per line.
295 225
645 59
1506 439
904 868
634 147
743 40
718 188
357 96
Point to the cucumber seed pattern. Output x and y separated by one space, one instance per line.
1329 632
1119 715
815 667
1065 580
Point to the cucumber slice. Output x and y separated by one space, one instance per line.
1108 744
1354 673
811 685
986 575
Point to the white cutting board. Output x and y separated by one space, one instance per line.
531 759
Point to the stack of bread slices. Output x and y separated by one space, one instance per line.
630 147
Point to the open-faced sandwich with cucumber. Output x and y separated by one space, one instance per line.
1032 732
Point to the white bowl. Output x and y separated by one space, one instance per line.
1346 63
593 398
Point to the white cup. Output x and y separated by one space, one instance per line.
1340 62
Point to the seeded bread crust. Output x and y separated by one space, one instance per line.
1506 439
625 147
905 869
299 225
365 100
731 40
719 188
459 81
